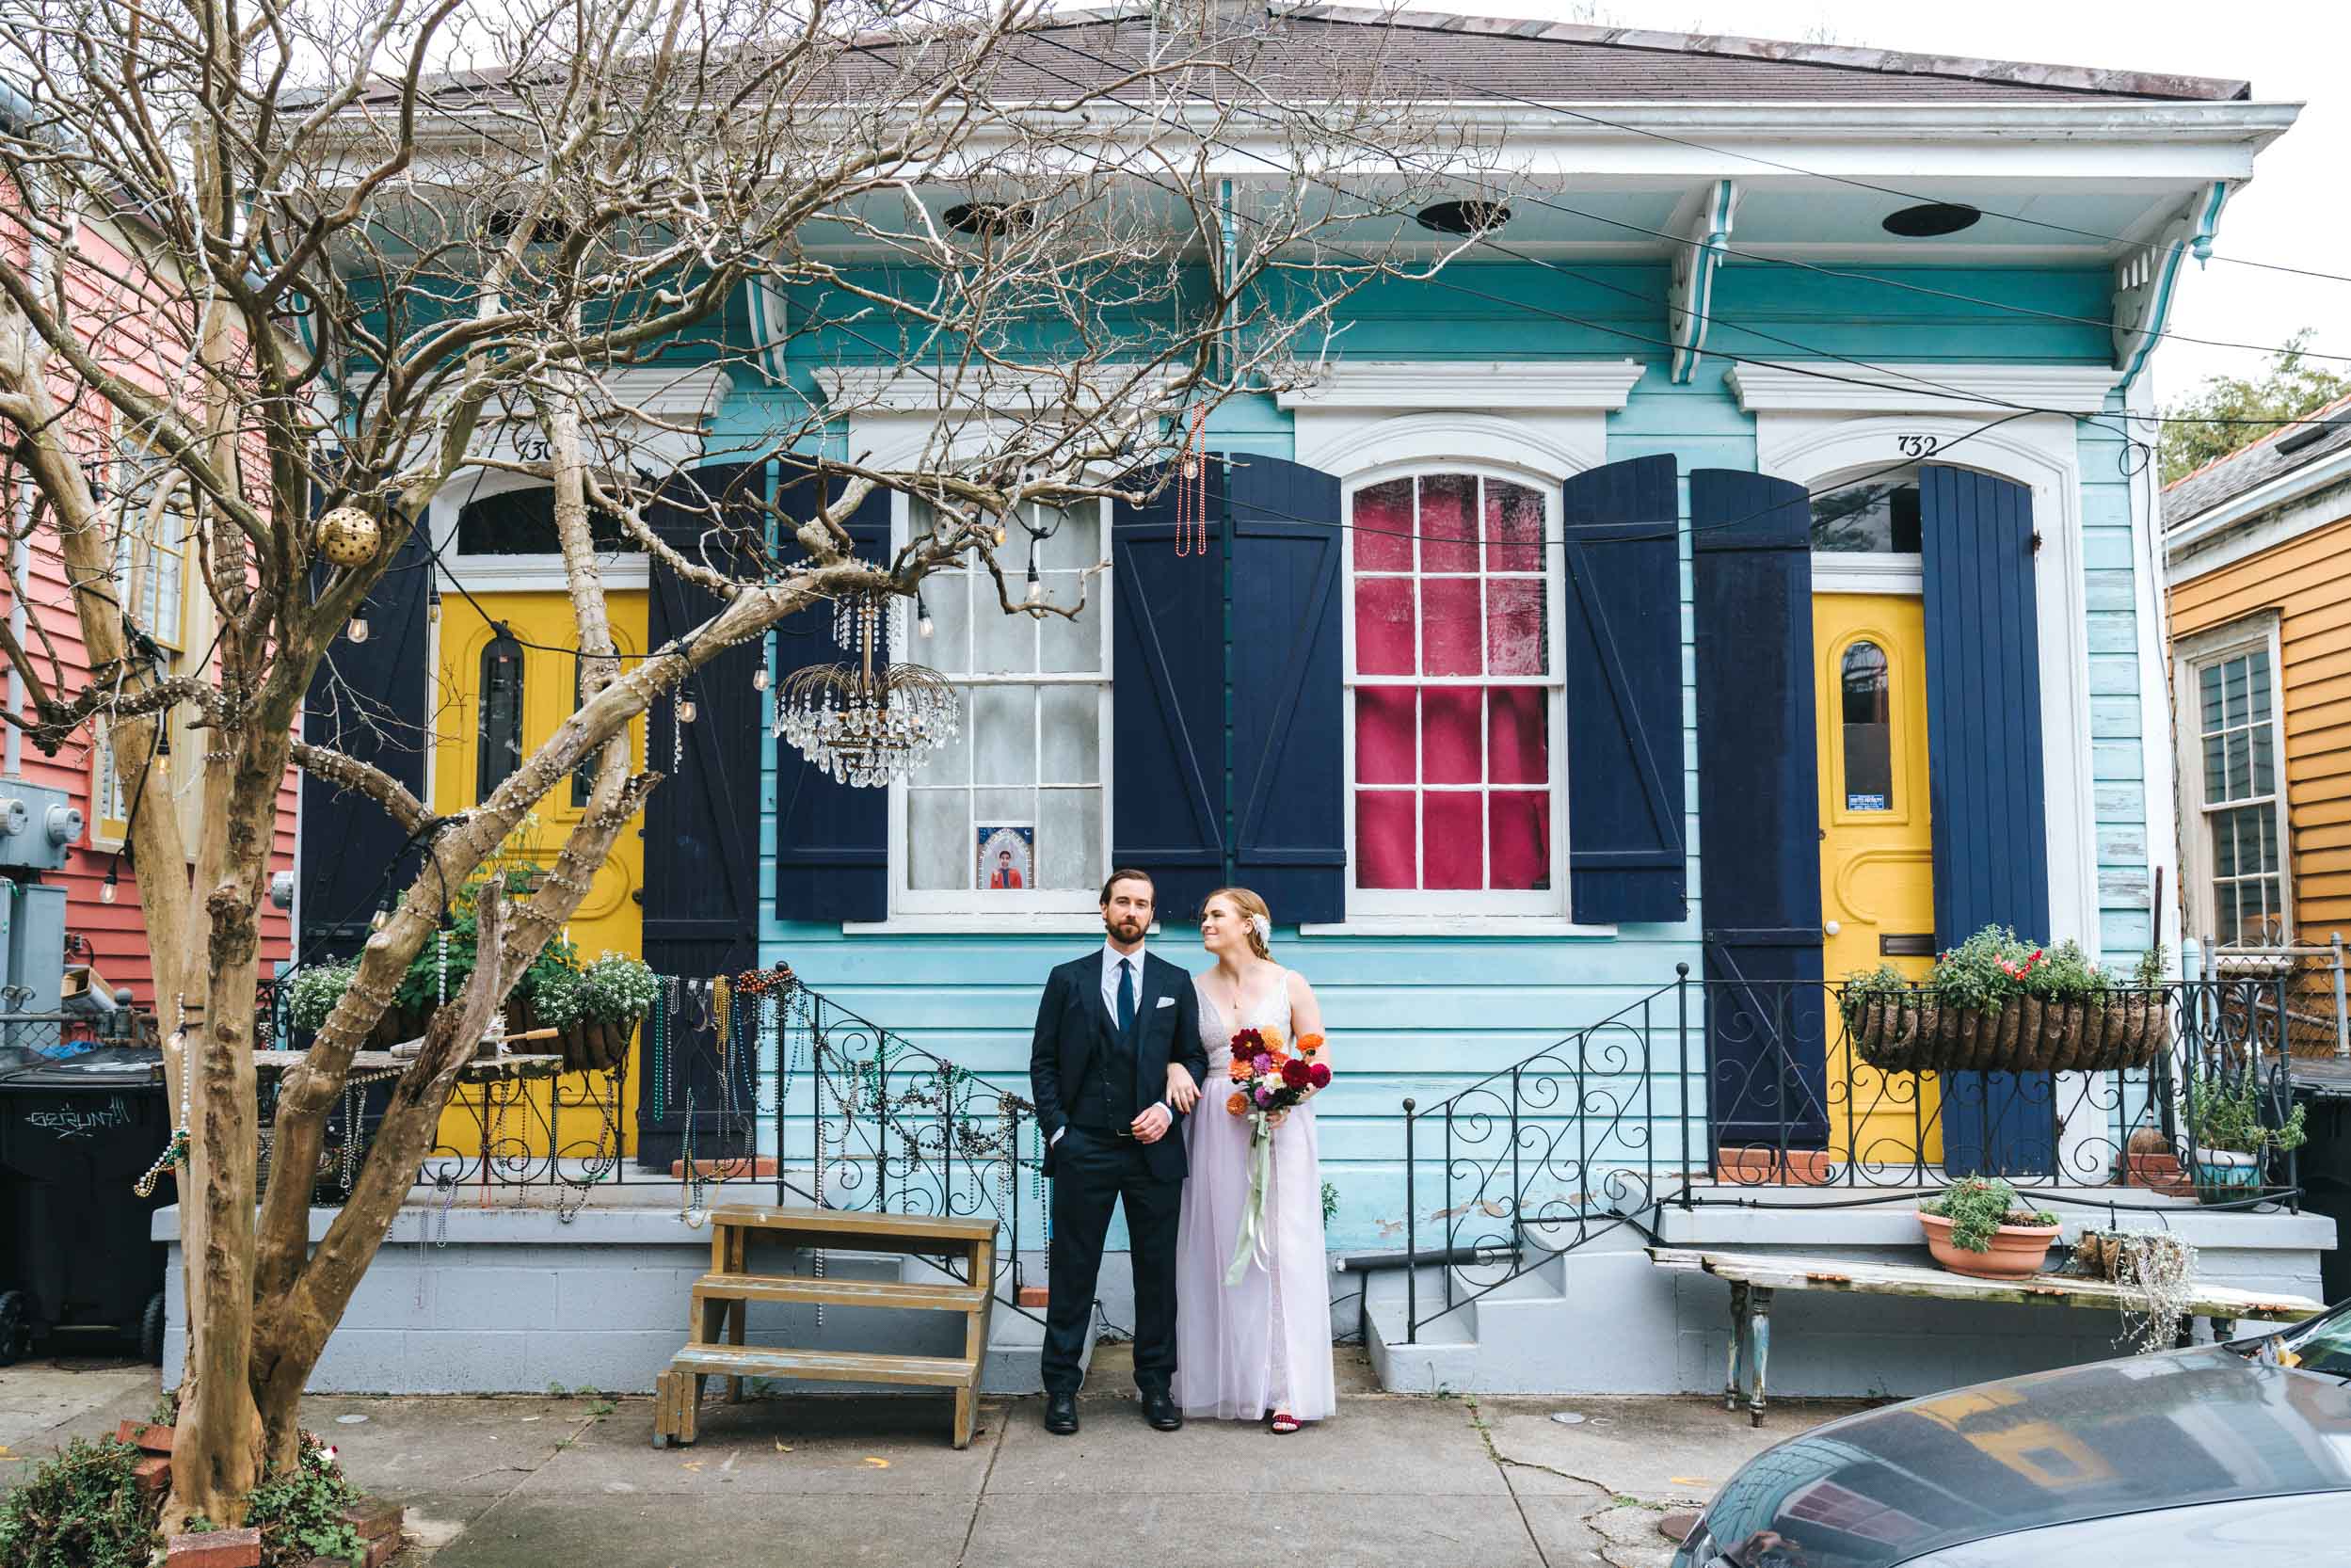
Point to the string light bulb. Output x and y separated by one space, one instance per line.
356 631
922 618
758 677
381 919
1036 587
685 709
105 888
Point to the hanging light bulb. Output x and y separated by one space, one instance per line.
758 677
685 709
381 919
356 631
999 535
922 616
105 888
1036 587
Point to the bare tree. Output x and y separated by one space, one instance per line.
305 256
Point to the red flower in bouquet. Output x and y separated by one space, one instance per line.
1296 1074
1319 1074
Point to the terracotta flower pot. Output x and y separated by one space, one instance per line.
2017 1251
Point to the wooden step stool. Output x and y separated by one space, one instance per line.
722 1298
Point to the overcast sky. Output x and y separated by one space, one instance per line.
2298 51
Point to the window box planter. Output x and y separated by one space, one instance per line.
1914 1032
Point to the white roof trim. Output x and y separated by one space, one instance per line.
894 389
1923 388
1516 385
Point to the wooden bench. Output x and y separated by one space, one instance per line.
722 1299
1753 1277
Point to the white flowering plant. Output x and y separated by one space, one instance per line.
617 989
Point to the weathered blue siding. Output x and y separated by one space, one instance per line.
1424 1015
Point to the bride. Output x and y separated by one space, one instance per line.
1260 1349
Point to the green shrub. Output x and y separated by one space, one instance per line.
1991 967
314 993
81 1509
300 1514
2230 1110
1979 1205
618 988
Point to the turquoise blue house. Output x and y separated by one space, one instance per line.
1736 566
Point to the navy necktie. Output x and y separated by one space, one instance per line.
1126 996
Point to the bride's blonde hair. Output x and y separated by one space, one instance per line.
1254 912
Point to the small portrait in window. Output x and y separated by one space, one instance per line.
1007 858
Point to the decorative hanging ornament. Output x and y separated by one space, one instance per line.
871 721
347 537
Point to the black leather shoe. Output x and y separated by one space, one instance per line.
1061 1414
1160 1410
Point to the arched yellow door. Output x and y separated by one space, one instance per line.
1877 847
504 696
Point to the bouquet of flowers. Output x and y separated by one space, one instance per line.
1267 1081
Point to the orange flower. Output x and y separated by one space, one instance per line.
1239 1070
1273 1043
1237 1104
1309 1044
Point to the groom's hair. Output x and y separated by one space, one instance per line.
1128 873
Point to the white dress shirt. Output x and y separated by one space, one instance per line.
1112 958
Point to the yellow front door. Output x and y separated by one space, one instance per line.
1877 849
504 696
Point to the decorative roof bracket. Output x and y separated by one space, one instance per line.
1689 298
2147 279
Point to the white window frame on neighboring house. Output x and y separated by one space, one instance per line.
177 627
2192 655
1374 904
1077 906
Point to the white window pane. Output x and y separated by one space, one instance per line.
1071 719
1000 644
2259 664
948 648
2208 685
167 584
1077 539
937 833
1003 734
952 762
1072 644
2233 682
1070 839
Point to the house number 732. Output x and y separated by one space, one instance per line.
1917 446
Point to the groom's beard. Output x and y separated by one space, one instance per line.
1128 931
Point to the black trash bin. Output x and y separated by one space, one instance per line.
80 1121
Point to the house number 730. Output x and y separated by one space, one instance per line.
1917 446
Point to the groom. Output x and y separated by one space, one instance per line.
1107 1027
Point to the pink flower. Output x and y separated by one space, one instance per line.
1319 1074
1265 1097
1263 1063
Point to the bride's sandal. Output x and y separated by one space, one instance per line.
1285 1423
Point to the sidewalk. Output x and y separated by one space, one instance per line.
529 1482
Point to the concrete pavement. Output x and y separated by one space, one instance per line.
1431 1482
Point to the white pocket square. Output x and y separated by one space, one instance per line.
1167 1001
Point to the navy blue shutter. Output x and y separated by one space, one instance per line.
832 841
369 702
1623 660
1167 679
1987 798
701 881
1758 809
1288 748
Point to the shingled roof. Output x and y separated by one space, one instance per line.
1320 51
2251 467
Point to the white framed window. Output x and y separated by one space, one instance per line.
1867 536
2232 733
1012 815
2232 728
149 505
1455 696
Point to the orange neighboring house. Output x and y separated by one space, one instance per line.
128 319
2258 552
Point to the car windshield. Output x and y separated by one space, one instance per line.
2323 1346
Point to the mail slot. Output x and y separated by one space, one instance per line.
1907 944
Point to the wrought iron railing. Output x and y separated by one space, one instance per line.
1732 1091
809 1103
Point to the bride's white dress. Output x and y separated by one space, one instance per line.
1264 1344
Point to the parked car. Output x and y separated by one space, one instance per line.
2218 1455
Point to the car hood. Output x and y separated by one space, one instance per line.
2088 1442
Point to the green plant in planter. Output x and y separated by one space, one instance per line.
314 993
300 1513
81 1509
1978 1206
1984 972
617 989
2229 1114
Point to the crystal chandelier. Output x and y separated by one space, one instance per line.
871 721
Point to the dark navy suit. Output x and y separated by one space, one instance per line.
1090 1081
